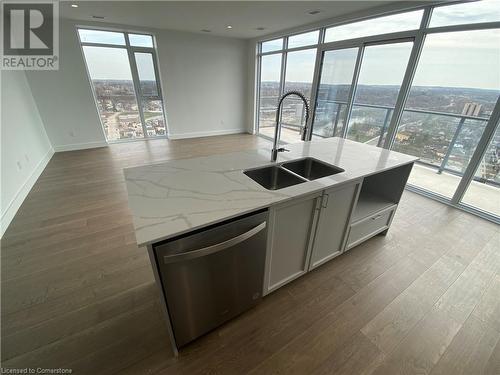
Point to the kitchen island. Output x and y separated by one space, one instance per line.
307 224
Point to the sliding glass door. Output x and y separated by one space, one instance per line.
335 86
377 88
299 74
124 76
359 86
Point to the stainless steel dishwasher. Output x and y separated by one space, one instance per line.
211 275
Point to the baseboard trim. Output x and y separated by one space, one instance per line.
206 133
22 193
80 146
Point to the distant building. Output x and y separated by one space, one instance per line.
471 109
402 137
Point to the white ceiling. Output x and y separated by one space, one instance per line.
193 16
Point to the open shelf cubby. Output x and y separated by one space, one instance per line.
380 191
368 204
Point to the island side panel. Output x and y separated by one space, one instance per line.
376 204
163 301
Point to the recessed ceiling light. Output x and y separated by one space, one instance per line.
98 17
206 30
74 5
260 28
229 27
313 12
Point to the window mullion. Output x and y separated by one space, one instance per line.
314 91
283 73
282 78
352 90
258 74
159 88
137 89
411 68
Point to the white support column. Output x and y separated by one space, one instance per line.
315 86
408 79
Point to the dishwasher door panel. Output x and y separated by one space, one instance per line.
211 276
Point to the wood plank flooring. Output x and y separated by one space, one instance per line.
78 293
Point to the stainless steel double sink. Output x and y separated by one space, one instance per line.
293 172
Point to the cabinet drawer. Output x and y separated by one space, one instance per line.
372 225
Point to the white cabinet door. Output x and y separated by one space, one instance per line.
333 223
291 227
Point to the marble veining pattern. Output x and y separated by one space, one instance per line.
177 196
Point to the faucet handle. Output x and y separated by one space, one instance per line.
282 149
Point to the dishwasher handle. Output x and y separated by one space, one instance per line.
192 254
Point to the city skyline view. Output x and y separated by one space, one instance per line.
422 134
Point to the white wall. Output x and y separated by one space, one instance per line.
25 147
65 99
204 81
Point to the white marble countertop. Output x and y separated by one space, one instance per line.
177 196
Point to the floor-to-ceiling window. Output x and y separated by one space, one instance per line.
425 82
299 74
270 85
333 93
377 88
124 75
286 64
452 96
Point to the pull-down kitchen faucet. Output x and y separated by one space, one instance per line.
277 130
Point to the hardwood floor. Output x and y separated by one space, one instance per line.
77 292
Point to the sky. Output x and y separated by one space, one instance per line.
458 59
453 59
113 63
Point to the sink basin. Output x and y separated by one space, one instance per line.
273 177
311 168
